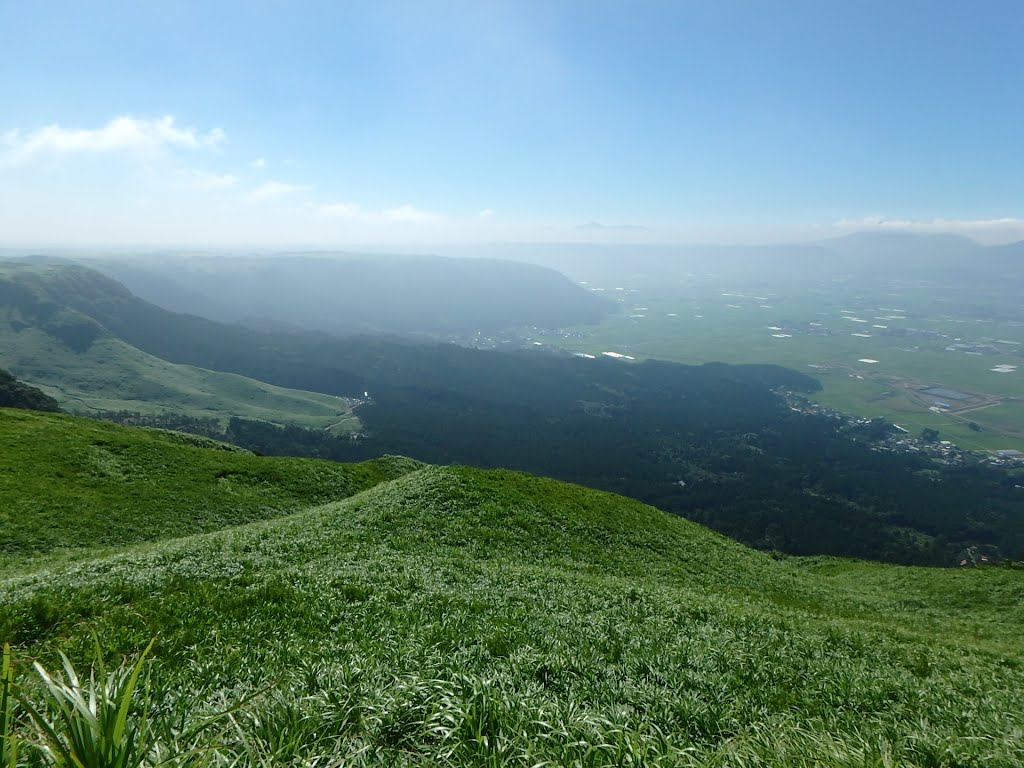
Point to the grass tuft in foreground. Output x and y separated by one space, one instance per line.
90 724
458 617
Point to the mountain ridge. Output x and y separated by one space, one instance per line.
356 293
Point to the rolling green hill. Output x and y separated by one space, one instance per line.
76 360
715 443
71 483
463 617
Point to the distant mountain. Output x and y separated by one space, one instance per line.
905 253
866 257
604 266
342 293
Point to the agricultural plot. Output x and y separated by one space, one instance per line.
874 355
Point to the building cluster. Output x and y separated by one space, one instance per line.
892 438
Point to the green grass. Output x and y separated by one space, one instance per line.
460 617
113 376
72 483
860 397
74 359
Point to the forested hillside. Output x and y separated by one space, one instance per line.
17 394
714 443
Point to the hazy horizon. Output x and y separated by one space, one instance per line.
451 247
405 124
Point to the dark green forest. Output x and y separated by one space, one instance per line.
715 443
17 394
712 443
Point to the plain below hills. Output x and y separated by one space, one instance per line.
449 616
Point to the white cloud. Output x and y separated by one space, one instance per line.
486 213
341 211
272 190
259 164
983 230
355 212
207 180
408 213
120 134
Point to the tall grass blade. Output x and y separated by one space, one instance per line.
91 727
8 743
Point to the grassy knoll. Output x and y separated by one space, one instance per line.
460 617
71 483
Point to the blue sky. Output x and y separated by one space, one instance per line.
418 122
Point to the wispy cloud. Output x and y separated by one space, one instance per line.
120 134
355 212
341 211
486 213
259 164
273 190
207 180
408 213
597 225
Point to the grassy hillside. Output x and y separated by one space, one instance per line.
68 482
75 359
714 443
463 617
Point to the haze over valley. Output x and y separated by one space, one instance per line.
511 384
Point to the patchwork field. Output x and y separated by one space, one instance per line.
874 356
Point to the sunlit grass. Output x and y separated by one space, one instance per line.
456 617
8 742
71 484
90 723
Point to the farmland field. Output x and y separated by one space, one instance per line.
873 354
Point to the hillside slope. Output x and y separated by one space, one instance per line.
72 483
76 360
464 617
714 443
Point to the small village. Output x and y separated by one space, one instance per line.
892 438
